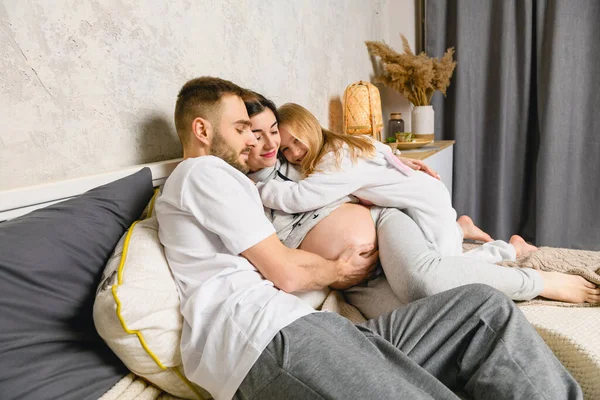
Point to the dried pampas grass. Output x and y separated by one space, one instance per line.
416 76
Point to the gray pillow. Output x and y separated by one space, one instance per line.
51 261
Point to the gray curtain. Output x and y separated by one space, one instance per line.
524 108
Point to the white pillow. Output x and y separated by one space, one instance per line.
137 310
315 298
137 314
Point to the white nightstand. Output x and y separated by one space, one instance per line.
439 155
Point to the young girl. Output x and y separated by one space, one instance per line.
335 166
412 267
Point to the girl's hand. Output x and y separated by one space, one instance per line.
419 165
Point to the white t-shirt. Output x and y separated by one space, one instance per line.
208 213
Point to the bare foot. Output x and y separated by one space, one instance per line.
471 231
521 246
569 288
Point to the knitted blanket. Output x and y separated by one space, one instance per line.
570 330
576 262
132 387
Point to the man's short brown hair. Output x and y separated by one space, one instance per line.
200 97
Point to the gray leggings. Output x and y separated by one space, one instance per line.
471 340
414 270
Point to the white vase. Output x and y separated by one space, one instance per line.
422 118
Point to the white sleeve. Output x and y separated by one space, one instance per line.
319 189
225 202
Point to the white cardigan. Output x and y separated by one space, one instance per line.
381 180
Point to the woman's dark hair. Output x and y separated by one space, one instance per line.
256 103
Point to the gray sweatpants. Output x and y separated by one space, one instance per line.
413 269
471 340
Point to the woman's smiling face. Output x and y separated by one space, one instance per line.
264 153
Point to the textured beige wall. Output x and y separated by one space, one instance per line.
401 16
89 86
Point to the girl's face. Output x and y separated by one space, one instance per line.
264 153
292 149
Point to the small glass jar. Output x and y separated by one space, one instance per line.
395 124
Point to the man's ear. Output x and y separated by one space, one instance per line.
202 130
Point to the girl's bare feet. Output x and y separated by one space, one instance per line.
471 231
569 288
521 246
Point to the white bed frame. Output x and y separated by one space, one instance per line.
19 201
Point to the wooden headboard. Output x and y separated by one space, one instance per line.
19 201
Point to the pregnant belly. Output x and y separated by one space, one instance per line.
350 224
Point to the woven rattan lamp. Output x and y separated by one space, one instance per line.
362 110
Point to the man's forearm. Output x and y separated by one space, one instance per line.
291 270
300 271
307 271
313 272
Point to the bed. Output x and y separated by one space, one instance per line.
56 246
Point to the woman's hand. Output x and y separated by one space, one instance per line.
419 165
355 265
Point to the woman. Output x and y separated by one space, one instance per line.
408 262
327 231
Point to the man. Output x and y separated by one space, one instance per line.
246 337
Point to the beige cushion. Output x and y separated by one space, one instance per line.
137 311
314 298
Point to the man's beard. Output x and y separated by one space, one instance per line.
224 151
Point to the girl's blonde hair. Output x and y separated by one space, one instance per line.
306 128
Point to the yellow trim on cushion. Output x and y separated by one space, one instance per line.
151 206
137 332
